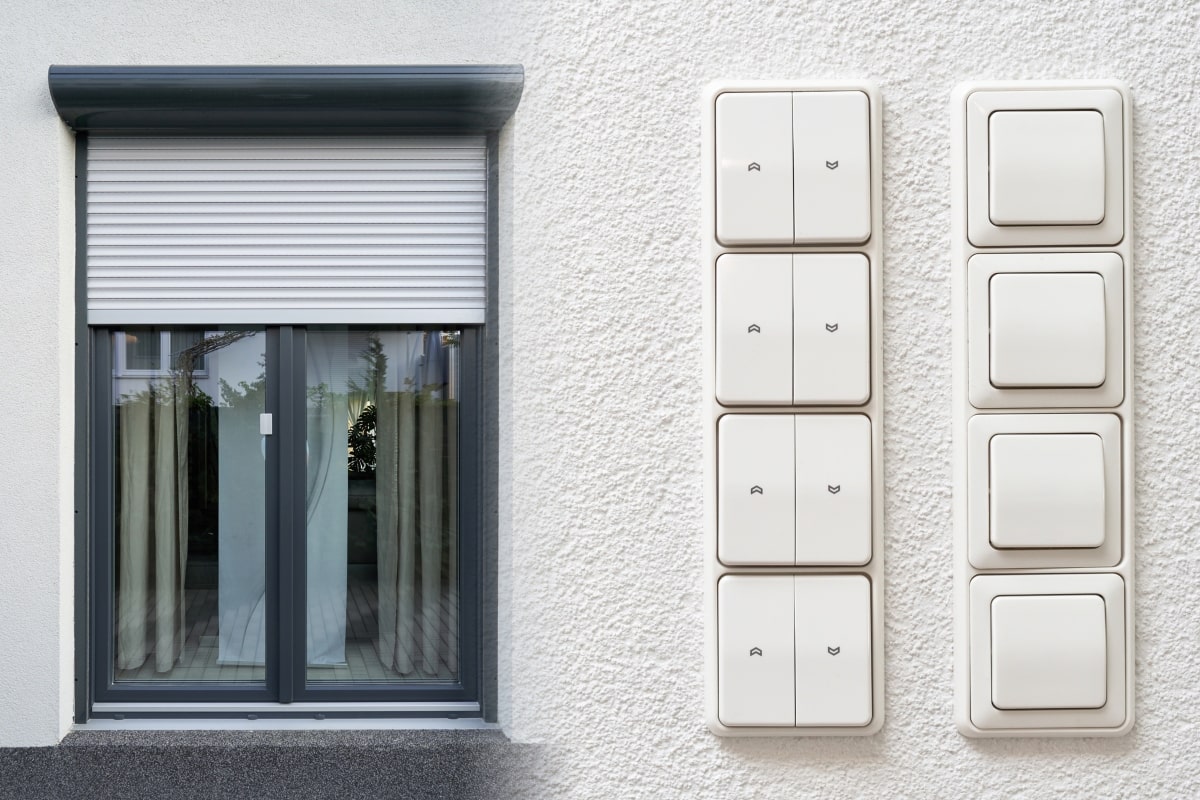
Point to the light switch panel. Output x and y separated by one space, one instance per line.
1049 652
1047 330
1043 163
757 635
831 160
756 489
1042 272
831 329
754 329
1046 491
753 141
793 409
1046 168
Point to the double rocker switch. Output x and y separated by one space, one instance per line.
795 650
793 529
794 489
793 329
793 168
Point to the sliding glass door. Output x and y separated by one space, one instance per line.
188 498
382 506
285 514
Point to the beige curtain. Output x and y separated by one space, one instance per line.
415 475
152 527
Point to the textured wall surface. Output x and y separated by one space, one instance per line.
606 349
601 566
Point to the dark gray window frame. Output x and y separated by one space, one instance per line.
283 100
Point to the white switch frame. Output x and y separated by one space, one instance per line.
1115 717
712 249
977 406
980 430
983 99
981 267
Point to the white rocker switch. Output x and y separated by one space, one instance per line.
1049 652
1047 491
1046 167
756 650
831 329
754 168
833 489
756 490
754 329
1048 330
831 137
833 650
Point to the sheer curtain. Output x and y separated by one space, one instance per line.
152 527
415 473
328 365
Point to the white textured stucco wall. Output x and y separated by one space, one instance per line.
601 492
606 353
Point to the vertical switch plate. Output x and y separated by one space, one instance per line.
1042 248
793 409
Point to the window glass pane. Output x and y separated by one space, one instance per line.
143 349
382 505
185 354
189 581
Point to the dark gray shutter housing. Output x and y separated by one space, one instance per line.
283 195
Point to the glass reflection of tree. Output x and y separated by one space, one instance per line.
361 437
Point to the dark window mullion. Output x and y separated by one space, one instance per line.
274 516
85 408
471 512
103 526
289 436
291 432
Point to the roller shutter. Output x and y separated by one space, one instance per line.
277 230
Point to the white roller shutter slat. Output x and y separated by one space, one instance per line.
277 144
271 186
272 274
279 230
256 193
101 222
307 250
384 211
277 170
412 230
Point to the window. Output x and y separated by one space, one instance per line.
314 557
287 474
